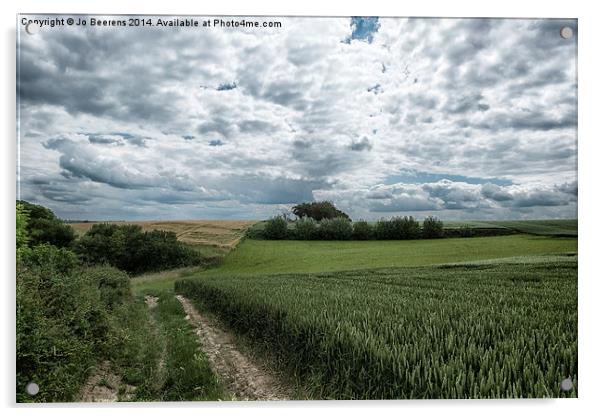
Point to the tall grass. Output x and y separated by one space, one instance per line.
459 331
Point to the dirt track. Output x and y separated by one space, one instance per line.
243 378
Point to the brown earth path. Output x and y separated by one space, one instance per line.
243 378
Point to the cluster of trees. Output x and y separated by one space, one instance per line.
125 246
44 227
339 228
129 248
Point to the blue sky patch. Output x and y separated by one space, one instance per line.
363 28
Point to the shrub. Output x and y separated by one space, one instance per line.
276 228
52 259
432 228
128 248
114 285
22 236
466 231
335 229
62 320
63 316
318 211
306 229
397 228
44 227
256 231
382 230
362 230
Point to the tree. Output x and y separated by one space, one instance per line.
335 229
44 227
362 230
397 228
432 228
318 211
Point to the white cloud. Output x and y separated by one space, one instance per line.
137 115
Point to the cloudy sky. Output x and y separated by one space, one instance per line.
458 118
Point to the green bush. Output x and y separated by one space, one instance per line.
362 230
432 228
114 285
335 229
51 258
397 228
276 228
466 231
22 217
306 229
128 248
382 230
64 324
63 320
44 227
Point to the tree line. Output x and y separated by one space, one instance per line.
323 221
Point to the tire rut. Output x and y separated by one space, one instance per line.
243 378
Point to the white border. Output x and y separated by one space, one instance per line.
590 371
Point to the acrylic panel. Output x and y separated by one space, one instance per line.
295 208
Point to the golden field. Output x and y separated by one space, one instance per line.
219 233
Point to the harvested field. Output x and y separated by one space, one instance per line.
219 233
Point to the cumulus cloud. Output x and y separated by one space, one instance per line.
236 123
